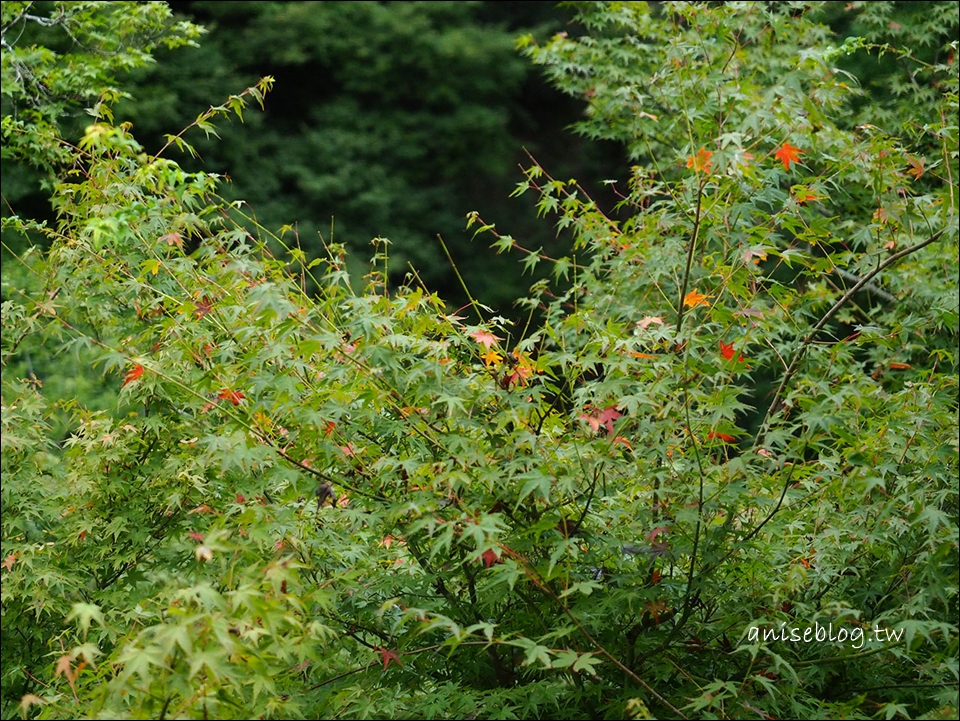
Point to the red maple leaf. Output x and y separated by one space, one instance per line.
233 396
490 558
605 418
655 607
388 655
787 154
485 338
196 536
10 560
132 374
726 350
652 536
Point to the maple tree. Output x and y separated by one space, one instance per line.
580 517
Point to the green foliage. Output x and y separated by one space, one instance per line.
356 504
86 45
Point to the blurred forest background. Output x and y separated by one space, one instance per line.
387 119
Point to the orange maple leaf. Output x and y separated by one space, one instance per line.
695 298
233 396
132 374
491 358
916 167
787 154
726 437
803 195
10 560
700 161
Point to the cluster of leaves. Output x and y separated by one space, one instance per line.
82 47
358 504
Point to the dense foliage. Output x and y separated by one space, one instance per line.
734 415
386 119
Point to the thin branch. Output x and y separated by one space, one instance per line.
801 351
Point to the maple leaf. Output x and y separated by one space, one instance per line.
63 667
203 508
132 374
803 195
489 558
9 561
700 161
695 298
233 396
605 418
752 255
196 536
204 306
485 338
916 167
726 437
644 323
787 154
655 607
726 350
388 655
652 536
491 358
